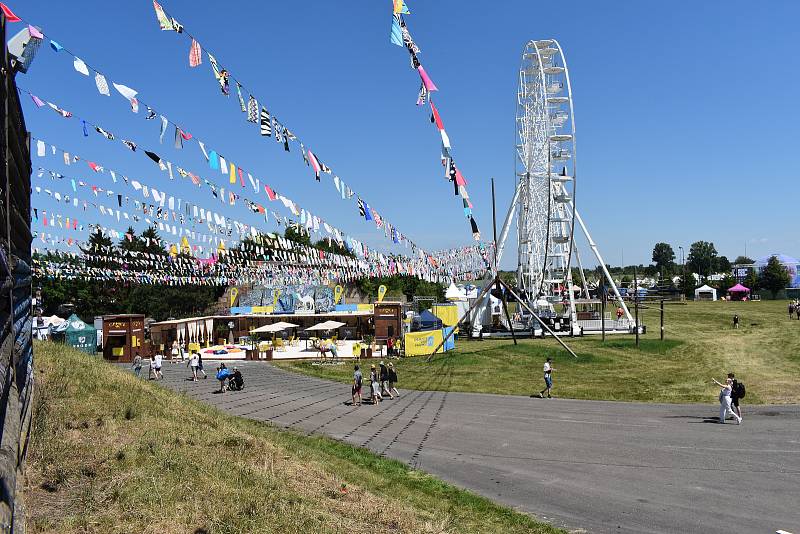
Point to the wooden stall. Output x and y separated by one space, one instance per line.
123 337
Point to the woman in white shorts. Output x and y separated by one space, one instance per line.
725 401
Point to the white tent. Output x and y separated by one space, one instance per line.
705 292
454 293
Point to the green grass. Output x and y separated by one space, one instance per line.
699 344
114 454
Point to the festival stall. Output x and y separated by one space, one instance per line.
739 292
705 292
77 334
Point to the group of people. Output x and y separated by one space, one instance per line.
794 308
156 361
382 382
229 379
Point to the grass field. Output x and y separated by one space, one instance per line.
114 454
700 343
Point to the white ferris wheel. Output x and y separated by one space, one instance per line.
543 205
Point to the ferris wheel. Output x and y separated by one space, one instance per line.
545 171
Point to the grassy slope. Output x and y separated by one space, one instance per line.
111 453
700 344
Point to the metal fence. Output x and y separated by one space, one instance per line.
16 352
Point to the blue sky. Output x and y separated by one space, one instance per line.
687 121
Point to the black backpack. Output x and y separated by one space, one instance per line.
739 390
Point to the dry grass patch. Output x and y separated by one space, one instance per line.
113 454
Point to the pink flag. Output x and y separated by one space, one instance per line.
10 16
38 101
270 193
436 118
34 32
195 54
429 85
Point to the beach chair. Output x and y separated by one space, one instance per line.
278 344
292 340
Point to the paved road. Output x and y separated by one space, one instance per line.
599 466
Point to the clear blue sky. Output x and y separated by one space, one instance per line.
687 119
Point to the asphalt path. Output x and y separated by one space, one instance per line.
588 466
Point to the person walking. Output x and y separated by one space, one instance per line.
725 401
158 359
193 363
174 352
375 386
358 379
200 364
137 365
384 376
735 321
737 394
393 380
548 378
791 309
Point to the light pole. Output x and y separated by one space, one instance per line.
683 271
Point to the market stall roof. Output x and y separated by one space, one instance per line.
739 288
326 325
454 293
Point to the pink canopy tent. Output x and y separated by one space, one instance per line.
739 292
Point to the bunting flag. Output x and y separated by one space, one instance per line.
195 54
163 21
102 85
266 129
252 109
282 134
10 16
80 66
314 164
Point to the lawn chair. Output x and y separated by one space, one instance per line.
278 344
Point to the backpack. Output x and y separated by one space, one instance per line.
739 390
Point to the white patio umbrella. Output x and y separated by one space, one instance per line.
286 325
268 328
326 325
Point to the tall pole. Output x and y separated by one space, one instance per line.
603 312
636 303
662 319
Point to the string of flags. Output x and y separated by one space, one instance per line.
269 125
401 36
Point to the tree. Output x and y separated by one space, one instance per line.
774 276
751 280
743 260
723 265
298 235
688 284
726 283
702 258
664 258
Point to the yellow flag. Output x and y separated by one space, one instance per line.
381 292
234 295
275 295
233 174
338 291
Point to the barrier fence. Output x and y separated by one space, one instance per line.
16 351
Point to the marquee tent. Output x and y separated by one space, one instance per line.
79 335
738 292
427 321
705 292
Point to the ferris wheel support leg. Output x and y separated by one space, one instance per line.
580 267
596 251
500 245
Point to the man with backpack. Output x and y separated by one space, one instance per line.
737 392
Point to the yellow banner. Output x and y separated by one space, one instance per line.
263 309
422 343
338 291
448 314
381 292
234 294
366 307
275 294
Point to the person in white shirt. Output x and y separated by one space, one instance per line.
548 378
157 361
194 363
725 401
